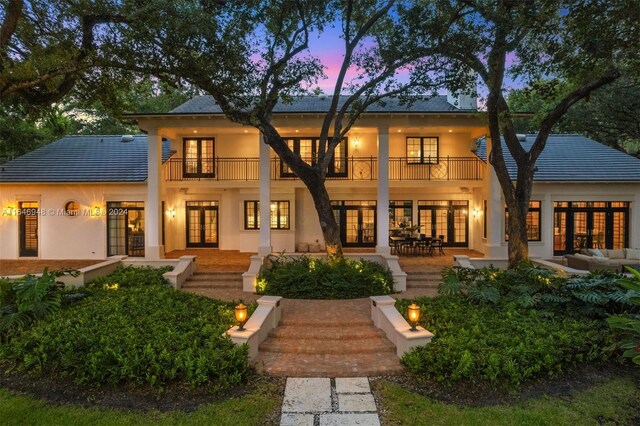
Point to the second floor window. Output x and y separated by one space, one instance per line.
198 157
279 214
422 150
307 149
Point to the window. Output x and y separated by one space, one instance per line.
422 150
125 228
484 219
400 212
198 157
71 208
279 215
307 149
533 221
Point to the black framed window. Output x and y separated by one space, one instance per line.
533 221
400 212
198 157
307 149
422 150
280 214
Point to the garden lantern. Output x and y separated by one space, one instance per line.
413 312
241 315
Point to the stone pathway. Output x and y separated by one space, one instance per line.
329 402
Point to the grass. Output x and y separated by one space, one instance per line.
614 402
255 408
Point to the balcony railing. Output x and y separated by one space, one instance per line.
357 168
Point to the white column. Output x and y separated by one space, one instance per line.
264 247
382 246
495 211
153 222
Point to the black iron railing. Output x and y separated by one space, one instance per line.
352 168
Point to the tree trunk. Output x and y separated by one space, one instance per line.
518 246
328 224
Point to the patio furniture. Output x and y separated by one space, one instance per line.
436 244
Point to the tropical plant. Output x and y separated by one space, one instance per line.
596 295
33 298
629 326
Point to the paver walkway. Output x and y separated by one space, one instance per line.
328 402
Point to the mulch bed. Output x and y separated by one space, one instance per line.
171 398
486 394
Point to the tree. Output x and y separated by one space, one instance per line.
585 43
610 116
250 56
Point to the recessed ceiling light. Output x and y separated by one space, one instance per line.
195 131
450 130
297 130
399 130
246 131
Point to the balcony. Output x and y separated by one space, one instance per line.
356 168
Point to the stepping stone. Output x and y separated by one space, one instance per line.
356 402
349 420
303 395
294 419
352 385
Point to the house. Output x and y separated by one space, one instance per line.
197 180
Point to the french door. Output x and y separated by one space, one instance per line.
445 218
28 223
593 224
125 228
198 159
202 224
357 222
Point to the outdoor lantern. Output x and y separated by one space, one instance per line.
241 315
414 315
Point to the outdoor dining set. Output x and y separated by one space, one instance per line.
416 245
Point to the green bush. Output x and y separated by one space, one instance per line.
141 334
127 276
7 295
597 295
305 277
501 344
627 326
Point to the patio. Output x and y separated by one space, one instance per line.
36 266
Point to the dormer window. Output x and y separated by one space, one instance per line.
422 150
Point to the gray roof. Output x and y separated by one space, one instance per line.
83 159
317 104
577 158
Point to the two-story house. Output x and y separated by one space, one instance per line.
198 180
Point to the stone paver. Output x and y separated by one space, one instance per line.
358 402
352 385
349 420
304 395
323 401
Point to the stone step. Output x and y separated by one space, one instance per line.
315 322
329 347
212 284
310 365
325 333
215 276
419 284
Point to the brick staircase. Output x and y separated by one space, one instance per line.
327 338
426 282
218 285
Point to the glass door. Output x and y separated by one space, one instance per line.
202 224
28 223
445 219
125 228
199 157
357 221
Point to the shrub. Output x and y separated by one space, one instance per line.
502 344
143 334
305 277
596 295
127 276
627 326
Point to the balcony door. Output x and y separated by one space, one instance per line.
446 218
199 154
202 223
579 225
28 223
357 222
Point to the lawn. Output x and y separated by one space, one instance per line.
256 408
614 402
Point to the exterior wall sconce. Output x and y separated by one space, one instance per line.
171 213
356 143
413 312
98 211
241 315
476 213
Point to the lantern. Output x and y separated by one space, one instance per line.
413 312
241 315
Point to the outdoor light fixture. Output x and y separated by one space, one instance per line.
241 315
97 211
9 211
356 143
476 213
171 213
413 312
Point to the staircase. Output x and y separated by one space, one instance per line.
327 338
218 285
423 283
